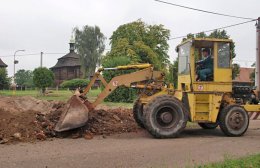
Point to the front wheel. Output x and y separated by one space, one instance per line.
138 113
233 120
165 117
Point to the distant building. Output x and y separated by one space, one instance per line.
243 77
67 67
2 64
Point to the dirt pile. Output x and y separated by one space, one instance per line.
111 121
28 119
18 117
16 105
101 122
16 127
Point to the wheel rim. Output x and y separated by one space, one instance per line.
236 120
167 117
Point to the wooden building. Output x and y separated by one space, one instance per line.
2 64
67 67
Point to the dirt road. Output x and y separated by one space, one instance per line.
195 146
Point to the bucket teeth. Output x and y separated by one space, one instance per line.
74 116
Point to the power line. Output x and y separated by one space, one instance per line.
205 11
54 53
22 55
224 27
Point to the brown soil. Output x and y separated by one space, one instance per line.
26 119
20 125
101 122
15 105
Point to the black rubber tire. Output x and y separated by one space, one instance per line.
174 111
225 120
138 113
208 125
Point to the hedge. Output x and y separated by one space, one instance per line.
74 83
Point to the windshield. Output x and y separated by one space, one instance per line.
184 55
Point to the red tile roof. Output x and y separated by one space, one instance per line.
244 75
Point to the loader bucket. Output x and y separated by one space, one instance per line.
75 114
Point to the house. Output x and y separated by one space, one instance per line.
67 67
2 64
243 77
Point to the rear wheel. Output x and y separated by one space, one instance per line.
138 113
233 120
165 117
208 125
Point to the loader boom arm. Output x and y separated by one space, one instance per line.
146 73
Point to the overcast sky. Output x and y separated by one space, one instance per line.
46 25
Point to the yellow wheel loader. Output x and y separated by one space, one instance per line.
163 110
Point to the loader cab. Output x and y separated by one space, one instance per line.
190 52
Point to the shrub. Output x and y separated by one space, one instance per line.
74 83
42 78
4 80
121 94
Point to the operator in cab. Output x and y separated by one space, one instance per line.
205 66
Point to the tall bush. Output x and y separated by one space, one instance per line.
121 94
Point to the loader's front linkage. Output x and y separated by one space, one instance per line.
76 114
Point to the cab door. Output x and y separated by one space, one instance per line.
222 62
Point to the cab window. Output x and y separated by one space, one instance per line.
224 55
184 56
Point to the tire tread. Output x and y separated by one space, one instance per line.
222 124
153 103
136 114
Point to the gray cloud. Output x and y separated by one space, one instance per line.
47 25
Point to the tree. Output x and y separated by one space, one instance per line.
4 80
24 78
89 43
135 43
141 43
199 35
235 70
252 75
172 75
42 78
121 94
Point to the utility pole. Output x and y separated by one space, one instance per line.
257 69
41 59
15 62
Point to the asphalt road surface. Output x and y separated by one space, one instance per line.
195 146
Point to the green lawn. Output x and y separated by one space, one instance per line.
61 95
252 161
